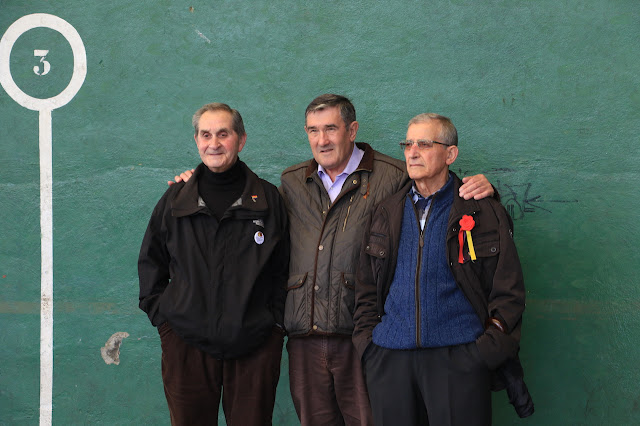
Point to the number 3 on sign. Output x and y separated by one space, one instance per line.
47 66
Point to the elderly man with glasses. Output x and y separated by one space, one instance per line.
439 292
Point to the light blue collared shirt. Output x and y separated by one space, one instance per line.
334 188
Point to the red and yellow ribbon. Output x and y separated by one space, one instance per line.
466 225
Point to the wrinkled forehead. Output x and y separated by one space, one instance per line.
429 130
324 115
214 121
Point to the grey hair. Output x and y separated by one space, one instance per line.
328 100
448 132
238 125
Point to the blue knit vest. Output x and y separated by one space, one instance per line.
443 316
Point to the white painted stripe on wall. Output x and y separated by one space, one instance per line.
45 107
46 279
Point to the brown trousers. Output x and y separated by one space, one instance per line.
326 380
194 382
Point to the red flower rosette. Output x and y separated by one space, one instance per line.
466 225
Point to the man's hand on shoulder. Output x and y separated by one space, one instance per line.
476 187
184 176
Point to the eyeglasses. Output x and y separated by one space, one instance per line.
422 144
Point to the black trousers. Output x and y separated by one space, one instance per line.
194 381
446 386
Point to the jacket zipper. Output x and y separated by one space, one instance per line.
344 225
418 270
417 287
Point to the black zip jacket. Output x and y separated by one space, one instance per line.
221 285
493 283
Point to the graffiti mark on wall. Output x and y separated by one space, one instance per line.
521 199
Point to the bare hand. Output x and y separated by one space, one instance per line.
184 176
476 187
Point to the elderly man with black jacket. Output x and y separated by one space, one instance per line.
439 292
213 269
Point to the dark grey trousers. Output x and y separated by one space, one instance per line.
446 386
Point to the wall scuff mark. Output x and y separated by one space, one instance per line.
111 350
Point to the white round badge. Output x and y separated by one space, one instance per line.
259 237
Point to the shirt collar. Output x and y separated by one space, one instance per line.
352 165
416 196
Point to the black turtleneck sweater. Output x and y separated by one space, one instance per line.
220 190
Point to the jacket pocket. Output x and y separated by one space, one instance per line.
347 300
378 250
487 250
349 281
296 309
296 281
486 244
377 245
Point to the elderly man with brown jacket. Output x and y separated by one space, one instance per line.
439 292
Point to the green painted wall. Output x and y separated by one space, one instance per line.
544 94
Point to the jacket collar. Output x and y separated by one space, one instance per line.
365 164
188 202
460 205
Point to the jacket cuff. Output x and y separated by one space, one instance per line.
151 305
495 347
361 342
